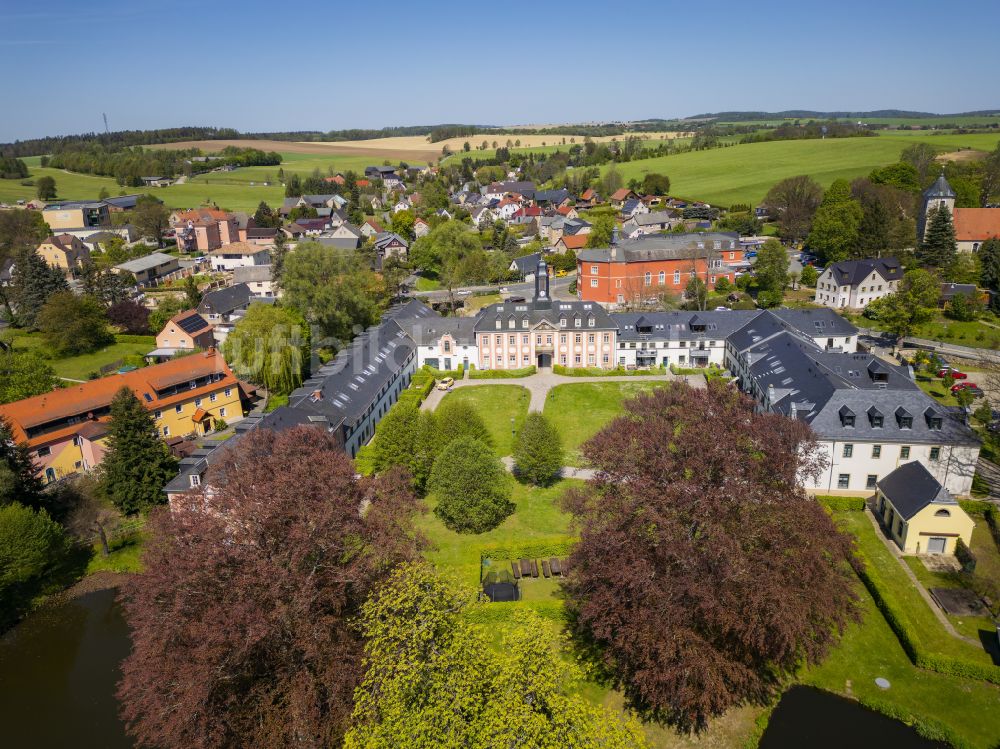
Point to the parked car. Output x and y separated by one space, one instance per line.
445 383
975 391
504 290
560 274
952 373
514 300
463 292
963 386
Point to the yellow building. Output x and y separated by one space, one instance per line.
66 429
77 215
64 251
919 514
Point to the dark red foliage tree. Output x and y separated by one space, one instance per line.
130 316
704 574
242 623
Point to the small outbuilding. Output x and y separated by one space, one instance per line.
919 514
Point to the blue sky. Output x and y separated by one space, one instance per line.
328 65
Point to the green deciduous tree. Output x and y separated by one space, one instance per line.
31 544
938 247
912 305
601 231
270 347
402 223
333 288
45 188
192 296
137 464
151 217
19 477
73 324
33 283
964 307
921 157
24 374
458 419
656 184
167 307
899 175
835 225
471 487
433 681
612 180
771 271
538 452
793 201
809 275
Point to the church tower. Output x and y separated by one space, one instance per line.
938 195
542 300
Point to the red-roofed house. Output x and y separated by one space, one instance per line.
973 226
372 228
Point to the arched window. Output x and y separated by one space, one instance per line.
942 514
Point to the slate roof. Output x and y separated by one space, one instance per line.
551 196
527 189
226 301
949 290
340 243
815 322
662 247
853 272
538 312
653 218
527 263
940 189
125 202
427 331
911 487
680 325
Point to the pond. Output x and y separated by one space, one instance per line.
58 671
807 717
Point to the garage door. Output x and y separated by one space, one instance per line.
936 545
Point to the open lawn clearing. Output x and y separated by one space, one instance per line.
423 283
475 303
744 173
80 367
537 516
903 595
497 404
970 708
581 410
977 333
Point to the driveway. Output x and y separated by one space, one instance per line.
539 385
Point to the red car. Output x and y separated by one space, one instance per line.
962 385
952 373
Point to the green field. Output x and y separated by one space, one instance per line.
744 173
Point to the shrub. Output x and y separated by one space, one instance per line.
535 548
490 374
965 556
841 504
31 544
597 372
457 419
471 486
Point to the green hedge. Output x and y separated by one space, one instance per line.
976 506
145 339
841 504
910 642
559 369
693 370
535 548
441 373
499 374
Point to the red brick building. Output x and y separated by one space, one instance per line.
648 267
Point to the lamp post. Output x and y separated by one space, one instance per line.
512 427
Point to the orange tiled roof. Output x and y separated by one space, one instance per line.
95 394
245 248
621 194
203 214
976 224
574 241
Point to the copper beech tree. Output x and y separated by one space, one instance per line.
704 574
243 622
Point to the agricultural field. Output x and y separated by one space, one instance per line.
744 173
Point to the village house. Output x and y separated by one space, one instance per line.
204 229
151 268
632 208
618 197
223 308
389 244
185 331
66 429
649 223
919 514
973 226
644 268
371 228
497 190
421 228
239 255
854 284
259 279
65 252
77 217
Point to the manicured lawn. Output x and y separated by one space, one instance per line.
427 284
497 404
869 650
580 410
475 303
981 333
884 567
80 367
537 515
744 173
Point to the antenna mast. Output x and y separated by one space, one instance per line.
106 129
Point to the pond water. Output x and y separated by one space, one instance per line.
59 668
58 671
807 717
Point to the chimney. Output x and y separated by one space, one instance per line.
614 237
770 395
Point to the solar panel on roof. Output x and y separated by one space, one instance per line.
191 324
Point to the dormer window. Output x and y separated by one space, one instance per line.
846 417
577 323
498 325
562 322
934 420
590 322
195 479
904 419
875 418
511 323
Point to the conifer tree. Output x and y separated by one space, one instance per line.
938 249
989 258
34 282
19 478
538 454
137 464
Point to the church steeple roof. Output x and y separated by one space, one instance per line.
940 188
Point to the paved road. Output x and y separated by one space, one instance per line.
539 385
559 289
567 472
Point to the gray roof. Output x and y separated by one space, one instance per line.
911 487
428 330
680 325
573 226
543 312
949 290
653 218
662 247
226 301
408 310
146 262
527 263
815 322
853 272
940 188
340 243
388 237
125 201
551 196
252 274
